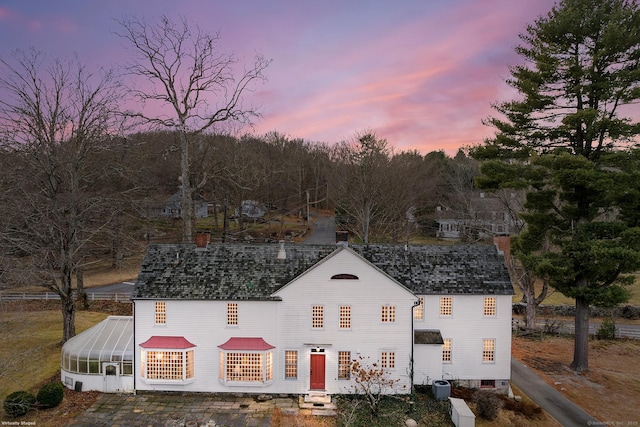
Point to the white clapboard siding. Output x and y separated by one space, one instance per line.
368 335
204 323
467 327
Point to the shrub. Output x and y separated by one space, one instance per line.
607 329
630 312
526 408
372 380
18 403
50 395
487 405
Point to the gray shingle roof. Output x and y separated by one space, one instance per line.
427 336
252 271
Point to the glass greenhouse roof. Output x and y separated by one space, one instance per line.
109 341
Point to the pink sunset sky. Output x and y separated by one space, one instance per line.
420 73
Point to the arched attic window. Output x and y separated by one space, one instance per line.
344 276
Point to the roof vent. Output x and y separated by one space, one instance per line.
282 253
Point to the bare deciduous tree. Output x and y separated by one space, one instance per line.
187 84
373 381
362 181
55 118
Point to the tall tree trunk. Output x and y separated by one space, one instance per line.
225 220
68 317
81 295
581 343
79 283
215 214
185 190
366 222
530 312
67 305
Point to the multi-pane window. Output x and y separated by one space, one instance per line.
446 351
246 367
388 359
175 365
344 365
446 306
232 314
388 313
487 383
161 313
317 316
345 317
418 311
221 365
490 306
189 368
488 350
268 375
291 364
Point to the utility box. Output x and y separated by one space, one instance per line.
441 389
461 415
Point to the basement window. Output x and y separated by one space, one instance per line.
487 383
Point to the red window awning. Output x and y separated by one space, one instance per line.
167 342
237 343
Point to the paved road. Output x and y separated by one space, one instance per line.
116 288
548 398
323 232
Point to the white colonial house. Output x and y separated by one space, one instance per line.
290 319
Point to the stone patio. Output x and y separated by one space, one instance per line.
183 410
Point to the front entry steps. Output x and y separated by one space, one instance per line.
317 404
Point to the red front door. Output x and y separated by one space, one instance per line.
317 372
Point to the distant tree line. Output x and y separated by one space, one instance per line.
378 195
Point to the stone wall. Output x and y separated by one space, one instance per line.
624 312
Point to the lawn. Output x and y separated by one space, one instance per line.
30 350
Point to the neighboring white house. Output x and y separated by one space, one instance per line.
172 207
290 319
251 209
483 216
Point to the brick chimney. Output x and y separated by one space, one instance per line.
202 239
503 243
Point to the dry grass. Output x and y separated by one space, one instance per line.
99 274
606 391
30 350
278 419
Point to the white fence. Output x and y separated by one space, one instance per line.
91 296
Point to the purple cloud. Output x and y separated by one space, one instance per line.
422 74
